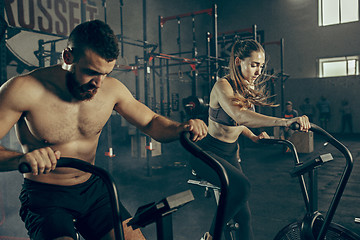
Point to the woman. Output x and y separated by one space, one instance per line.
231 112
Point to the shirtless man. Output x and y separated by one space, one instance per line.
59 111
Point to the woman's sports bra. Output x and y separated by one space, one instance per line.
220 116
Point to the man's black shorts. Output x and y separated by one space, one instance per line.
48 211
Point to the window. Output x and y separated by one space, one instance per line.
338 11
339 66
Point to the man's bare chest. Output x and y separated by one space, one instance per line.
59 122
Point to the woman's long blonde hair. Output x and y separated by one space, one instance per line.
256 95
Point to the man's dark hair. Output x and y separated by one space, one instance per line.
96 36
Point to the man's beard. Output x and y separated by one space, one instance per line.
81 92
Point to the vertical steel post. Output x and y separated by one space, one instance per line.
254 30
194 56
53 56
83 11
162 110
282 79
168 87
180 74
105 13
137 96
216 52
41 56
3 65
146 85
121 30
154 108
208 62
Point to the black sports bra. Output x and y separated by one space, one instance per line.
220 116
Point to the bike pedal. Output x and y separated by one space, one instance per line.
206 236
232 226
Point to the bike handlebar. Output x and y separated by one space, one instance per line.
24 167
294 126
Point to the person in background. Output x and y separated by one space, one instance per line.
346 117
308 109
60 111
289 113
231 113
324 108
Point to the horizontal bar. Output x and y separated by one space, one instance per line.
163 20
171 57
274 42
250 30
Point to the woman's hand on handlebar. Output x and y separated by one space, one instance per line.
262 135
303 121
42 160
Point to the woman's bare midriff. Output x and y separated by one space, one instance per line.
63 177
224 133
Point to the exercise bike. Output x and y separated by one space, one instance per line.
231 227
156 212
228 176
315 225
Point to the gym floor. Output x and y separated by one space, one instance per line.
275 200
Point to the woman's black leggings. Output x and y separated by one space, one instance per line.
237 206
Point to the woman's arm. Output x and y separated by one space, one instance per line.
255 138
243 116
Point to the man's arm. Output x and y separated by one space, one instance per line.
158 127
9 160
16 97
165 130
9 114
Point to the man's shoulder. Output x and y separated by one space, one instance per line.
26 86
114 86
18 82
27 82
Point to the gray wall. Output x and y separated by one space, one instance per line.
334 89
297 23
